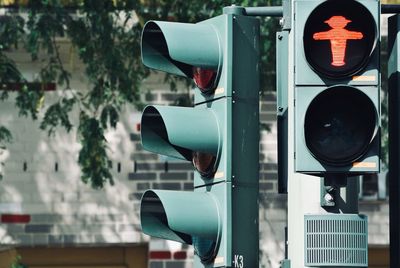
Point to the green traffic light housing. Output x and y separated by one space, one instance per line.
219 135
337 87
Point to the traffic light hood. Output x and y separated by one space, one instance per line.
184 217
176 48
180 131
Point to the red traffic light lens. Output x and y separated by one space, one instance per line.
204 79
339 38
204 163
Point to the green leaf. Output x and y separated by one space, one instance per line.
27 101
93 158
109 115
5 135
57 114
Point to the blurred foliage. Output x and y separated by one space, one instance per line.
17 263
106 34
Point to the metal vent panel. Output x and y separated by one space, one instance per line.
336 240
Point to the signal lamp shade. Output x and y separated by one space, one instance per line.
176 48
190 134
186 217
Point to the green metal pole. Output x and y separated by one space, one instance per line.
394 145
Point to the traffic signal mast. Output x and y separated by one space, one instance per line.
219 135
328 122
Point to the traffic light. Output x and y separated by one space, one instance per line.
219 135
337 84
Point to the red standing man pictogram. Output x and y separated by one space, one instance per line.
338 37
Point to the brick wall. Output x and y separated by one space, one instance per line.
42 180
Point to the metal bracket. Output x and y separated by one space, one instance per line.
286 21
327 196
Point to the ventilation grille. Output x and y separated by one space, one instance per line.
336 240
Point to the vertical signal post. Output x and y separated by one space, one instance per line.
394 132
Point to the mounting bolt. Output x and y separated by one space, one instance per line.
328 197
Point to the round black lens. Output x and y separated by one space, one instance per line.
339 125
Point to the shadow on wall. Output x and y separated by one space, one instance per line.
42 179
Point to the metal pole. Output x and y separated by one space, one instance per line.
390 9
276 11
394 145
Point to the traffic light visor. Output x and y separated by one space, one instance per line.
186 217
180 131
339 125
179 48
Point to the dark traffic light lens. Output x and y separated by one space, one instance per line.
204 248
339 37
204 163
339 125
